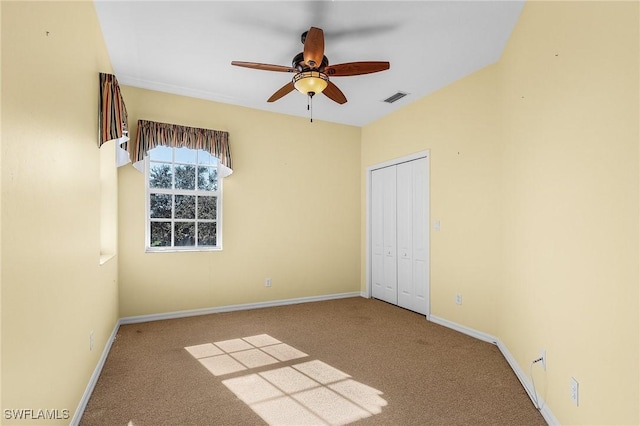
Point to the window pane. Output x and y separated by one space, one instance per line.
185 207
207 233
185 233
160 206
185 155
205 158
160 153
207 207
207 178
160 234
185 177
159 175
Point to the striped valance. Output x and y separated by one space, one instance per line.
112 117
151 134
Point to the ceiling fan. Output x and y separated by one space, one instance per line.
312 69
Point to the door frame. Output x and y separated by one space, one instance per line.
369 170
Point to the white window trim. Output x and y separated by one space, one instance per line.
147 218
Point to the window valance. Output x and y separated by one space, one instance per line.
112 117
151 134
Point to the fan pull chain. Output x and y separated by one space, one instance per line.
310 105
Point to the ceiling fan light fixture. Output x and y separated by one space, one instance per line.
307 82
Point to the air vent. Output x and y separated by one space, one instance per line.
395 97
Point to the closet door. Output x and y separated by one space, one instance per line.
383 235
399 226
412 235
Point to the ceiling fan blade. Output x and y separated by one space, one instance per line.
355 68
284 90
264 67
334 93
314 47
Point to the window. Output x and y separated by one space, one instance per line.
184 200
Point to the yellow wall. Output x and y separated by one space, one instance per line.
290 213
108 201
54 292
459 125
570 163
540 210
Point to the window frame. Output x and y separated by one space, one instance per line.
173 191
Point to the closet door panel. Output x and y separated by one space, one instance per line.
377 229
390 283
420 235
383 235
404 228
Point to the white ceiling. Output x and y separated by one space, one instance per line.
186 48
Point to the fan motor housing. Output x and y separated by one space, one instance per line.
298 63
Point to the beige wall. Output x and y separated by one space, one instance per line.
540 210
54 291
290 213
570 163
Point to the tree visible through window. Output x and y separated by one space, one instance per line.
183 200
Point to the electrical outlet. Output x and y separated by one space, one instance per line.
458 299
91 340
573 389
267 282
543 355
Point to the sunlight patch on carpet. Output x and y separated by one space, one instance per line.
261 340
284 352
202 351
252 388
254 358
321 372
286 412
308 393
331 406
222 364
234 345
289 380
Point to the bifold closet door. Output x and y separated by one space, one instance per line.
399 219
384 284
412 240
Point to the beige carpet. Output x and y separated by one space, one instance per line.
348 361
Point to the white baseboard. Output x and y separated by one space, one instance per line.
522 376
463 329
524 379
231 308
94 377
